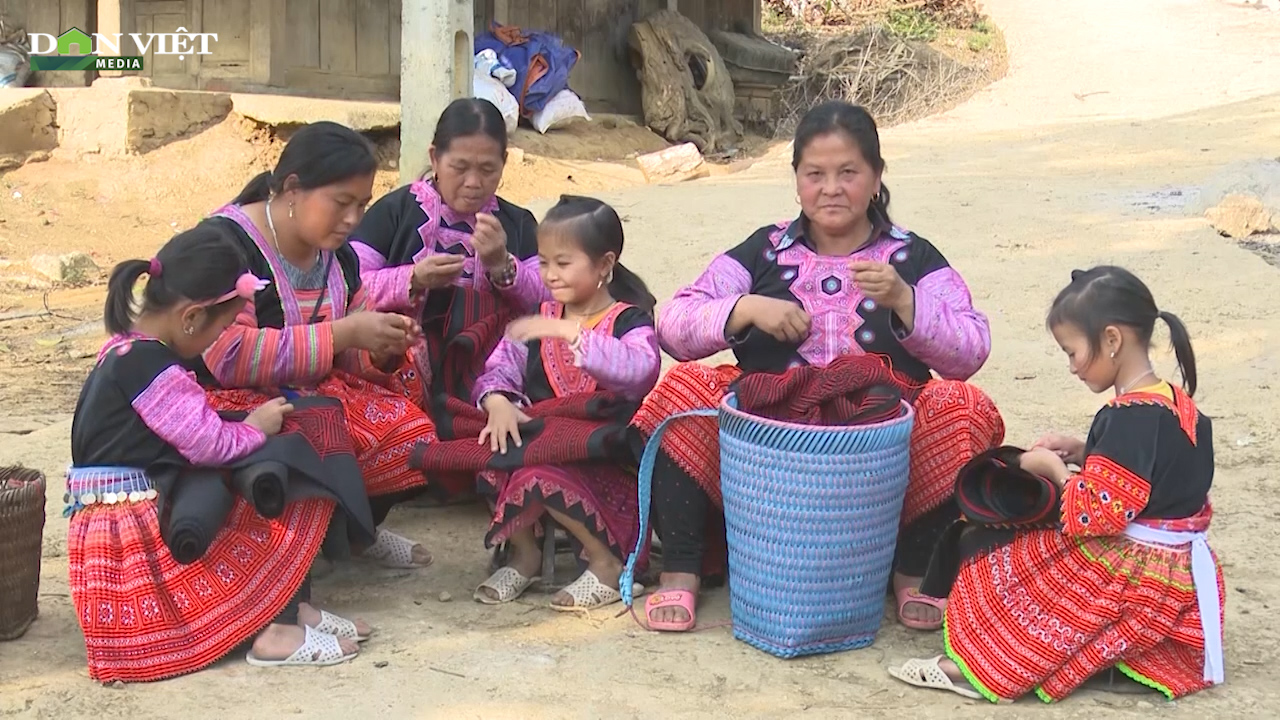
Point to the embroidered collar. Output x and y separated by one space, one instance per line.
798 231
432 203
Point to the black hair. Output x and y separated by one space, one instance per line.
319 154
599 231
197 265
465 117
855 123
1109 295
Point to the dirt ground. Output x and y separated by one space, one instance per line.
1043 172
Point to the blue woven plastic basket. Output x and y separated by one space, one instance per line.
812 518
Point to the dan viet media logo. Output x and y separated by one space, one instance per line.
76 49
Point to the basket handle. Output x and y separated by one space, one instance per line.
644 487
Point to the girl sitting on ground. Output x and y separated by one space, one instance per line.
596 335
1128 581
145 616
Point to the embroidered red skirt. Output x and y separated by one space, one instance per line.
954 422
384 424
600 496
1046 612
145 617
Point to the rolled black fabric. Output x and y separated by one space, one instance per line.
196 506
264 485
996 498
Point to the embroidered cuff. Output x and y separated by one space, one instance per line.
505 276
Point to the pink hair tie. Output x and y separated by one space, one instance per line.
154 268
247 285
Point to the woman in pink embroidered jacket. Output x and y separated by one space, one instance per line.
447 251
596 335
840 279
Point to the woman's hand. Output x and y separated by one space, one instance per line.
436 271
382 334
269 416
536 327
504 423
882 283
1069 449
784 320
490 242
1046 464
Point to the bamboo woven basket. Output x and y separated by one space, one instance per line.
22 495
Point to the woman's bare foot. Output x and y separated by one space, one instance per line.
525 558
915 611
395 551
278 642
309 615
608 571
675 581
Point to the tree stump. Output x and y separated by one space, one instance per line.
686 91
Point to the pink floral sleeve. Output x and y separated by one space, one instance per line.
628 365
691 326
386 288
175 408
503 372
949 336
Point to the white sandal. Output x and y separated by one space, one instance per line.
589 593
318 650
394 551
929 674
339 627
507 583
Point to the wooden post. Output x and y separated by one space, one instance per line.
111 23
267 39
437 46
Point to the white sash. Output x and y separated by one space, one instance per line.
1205 576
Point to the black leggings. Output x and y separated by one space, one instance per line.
681 508
289 616
381 505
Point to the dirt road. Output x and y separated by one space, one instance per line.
1017 187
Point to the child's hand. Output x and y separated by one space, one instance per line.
1046 464
536 327
269 416
1070 449
504 423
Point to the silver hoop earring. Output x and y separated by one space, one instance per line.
1113 354
189 331
290 211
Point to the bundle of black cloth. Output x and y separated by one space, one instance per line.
996 498
311 456
194 503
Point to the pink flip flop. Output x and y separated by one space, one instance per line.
911 595
671 598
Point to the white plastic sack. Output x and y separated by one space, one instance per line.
491 89
14 67
487 63
563 108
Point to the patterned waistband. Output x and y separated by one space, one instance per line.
87 486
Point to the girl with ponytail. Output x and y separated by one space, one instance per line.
595 337
1127 581
152 528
